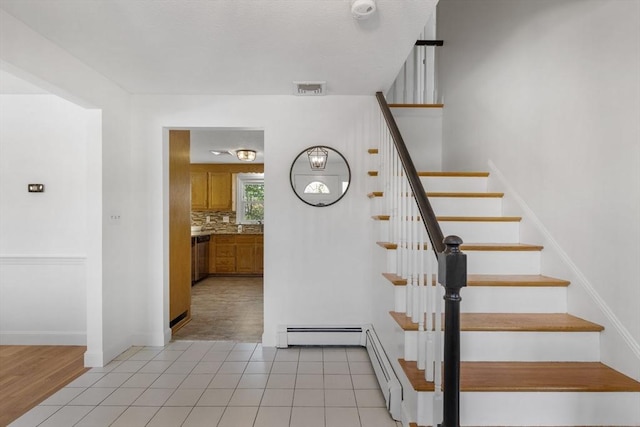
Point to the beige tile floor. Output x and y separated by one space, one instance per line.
224 384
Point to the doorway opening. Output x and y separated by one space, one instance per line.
227 206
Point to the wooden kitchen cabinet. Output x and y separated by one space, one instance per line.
210 191
225 254
246 254
259 254
220 191
236 254
212 185
199 190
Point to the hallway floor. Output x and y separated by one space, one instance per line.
224 384
225 308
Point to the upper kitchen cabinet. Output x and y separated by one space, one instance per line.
199 190
220 191
212 185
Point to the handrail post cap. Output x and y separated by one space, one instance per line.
453 243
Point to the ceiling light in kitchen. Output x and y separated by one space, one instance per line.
246 155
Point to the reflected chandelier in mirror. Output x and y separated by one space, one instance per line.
320 176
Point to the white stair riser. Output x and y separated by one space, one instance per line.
450 206
530 346
503 262
501 299
467 206
549 409
483 231
483 346
513 299
539 408
457 184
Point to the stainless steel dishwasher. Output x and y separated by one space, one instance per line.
200 258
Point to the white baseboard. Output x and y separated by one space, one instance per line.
43 338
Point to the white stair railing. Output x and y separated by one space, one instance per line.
416 81
415 261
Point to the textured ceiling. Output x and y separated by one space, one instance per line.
231 46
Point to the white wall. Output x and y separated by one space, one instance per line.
109 261
43 244
548 90
316 263
421 130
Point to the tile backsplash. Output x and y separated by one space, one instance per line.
216 225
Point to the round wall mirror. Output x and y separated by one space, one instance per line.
320 176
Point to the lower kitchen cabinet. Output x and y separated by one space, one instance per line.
236 254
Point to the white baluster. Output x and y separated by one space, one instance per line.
422 334
430 313
398 222
404 86
417 314
437 380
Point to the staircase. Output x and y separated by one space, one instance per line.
525 361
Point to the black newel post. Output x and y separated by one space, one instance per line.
452 271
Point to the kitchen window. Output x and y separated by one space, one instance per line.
250 198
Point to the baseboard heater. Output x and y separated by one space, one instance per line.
364 336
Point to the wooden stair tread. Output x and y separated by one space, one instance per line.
416 105
461 218
479 218
500 247
395 279
511 322
372 151
387 245
464 194
455 174
531 377
514 280
485 195
445 174
481 246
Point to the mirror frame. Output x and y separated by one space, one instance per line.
304 153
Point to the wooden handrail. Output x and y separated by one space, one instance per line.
452 273
426 211
429 43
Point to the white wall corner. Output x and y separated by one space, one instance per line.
618 348
282 341
93 359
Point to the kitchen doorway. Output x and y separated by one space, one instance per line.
228 303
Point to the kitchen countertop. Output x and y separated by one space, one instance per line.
210 232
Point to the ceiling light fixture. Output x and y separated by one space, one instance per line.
246 155
318 158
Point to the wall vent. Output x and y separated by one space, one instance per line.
309 88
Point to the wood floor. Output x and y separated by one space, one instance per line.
225 308
30 374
